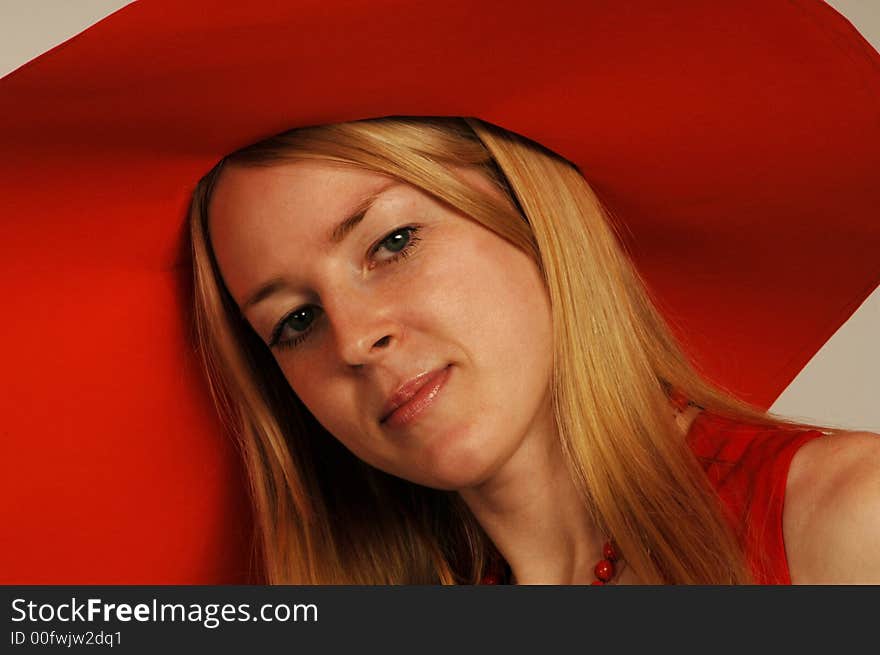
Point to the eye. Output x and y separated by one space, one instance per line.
399 243
294 327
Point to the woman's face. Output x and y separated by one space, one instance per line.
417 337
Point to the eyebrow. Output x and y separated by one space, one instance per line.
355 216
336 236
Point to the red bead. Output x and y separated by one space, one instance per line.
491 578
608 551
604 570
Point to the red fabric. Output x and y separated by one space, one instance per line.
738 143
748 465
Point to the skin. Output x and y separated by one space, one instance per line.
463 297
831 516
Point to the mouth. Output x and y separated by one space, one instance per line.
413 398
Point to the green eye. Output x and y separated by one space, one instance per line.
397 241
396 244
299 322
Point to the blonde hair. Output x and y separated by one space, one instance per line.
615 362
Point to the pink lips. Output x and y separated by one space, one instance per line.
413 398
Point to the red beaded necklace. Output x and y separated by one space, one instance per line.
604 569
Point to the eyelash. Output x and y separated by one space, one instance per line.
411 230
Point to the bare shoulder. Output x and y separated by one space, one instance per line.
831 519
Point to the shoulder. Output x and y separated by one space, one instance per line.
831 519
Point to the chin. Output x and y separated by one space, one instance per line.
457 461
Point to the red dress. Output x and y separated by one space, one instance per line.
748 465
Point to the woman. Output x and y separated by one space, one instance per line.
444 369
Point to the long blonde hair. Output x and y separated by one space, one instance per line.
324 517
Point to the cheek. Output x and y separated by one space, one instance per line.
503 307
335 406
480 287
310 381
334 399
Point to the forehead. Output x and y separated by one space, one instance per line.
303 194
254 210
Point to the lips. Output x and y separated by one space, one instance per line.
413 397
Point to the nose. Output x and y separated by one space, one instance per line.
363 325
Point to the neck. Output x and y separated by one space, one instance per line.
533 512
